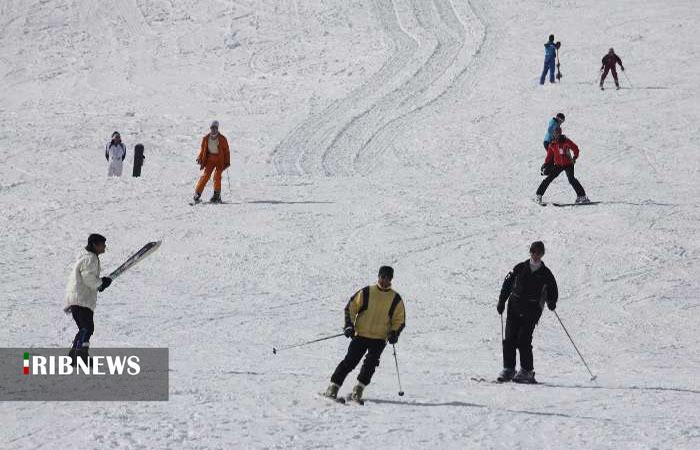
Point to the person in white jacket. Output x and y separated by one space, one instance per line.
115 152
84 282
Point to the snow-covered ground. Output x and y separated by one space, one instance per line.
363 132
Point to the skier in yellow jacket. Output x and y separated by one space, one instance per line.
373 316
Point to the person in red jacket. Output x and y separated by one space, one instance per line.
608 65
562 153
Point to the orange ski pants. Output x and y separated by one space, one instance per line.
212 165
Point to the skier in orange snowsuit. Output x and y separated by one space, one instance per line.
214 156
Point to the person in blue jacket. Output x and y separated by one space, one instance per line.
550 58
554 122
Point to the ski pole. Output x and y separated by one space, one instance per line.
593 377
275 350
228 177
627 78
398 377
502 337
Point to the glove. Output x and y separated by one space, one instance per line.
393 337
106 281
551 306
623 69
501 307
349 331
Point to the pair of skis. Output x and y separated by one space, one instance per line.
134 259
343 400
567 204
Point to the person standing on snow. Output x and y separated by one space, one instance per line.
115 152
554 122
213 155
526 289
610 60
550 59
373 316
84 282
563 152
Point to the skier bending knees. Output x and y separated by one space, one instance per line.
526 289
562 154
373 316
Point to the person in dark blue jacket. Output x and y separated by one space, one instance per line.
550 59
552 125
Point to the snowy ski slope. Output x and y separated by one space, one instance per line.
363 132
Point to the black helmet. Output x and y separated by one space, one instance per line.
537 247
96 239
561 116
386 271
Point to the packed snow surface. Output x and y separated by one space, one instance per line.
363 132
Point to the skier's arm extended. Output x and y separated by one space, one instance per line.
90 274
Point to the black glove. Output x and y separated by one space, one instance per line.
501 307
623 69
551 306
106 281
349 331
393 337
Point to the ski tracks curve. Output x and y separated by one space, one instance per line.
434 46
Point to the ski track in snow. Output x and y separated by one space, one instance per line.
363 133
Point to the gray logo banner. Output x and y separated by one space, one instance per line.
110 374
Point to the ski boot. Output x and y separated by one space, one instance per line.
332 391
506 375
81 353
525 377
356 395
197 197
216 198
582 199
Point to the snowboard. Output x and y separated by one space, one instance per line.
134 259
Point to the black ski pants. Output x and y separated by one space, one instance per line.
520 324
605 74
357 349
86 326
555 173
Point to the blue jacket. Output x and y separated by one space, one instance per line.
550 51
551 126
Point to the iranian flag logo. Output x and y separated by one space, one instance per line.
26 363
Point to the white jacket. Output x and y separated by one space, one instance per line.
115 155
83 282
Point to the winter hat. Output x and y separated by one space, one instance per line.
386 271
214 124
96 239
537 247
551 38
115 134
561 116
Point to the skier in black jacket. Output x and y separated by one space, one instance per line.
527 288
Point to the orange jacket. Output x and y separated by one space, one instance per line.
224 154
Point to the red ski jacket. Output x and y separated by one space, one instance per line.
560 151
